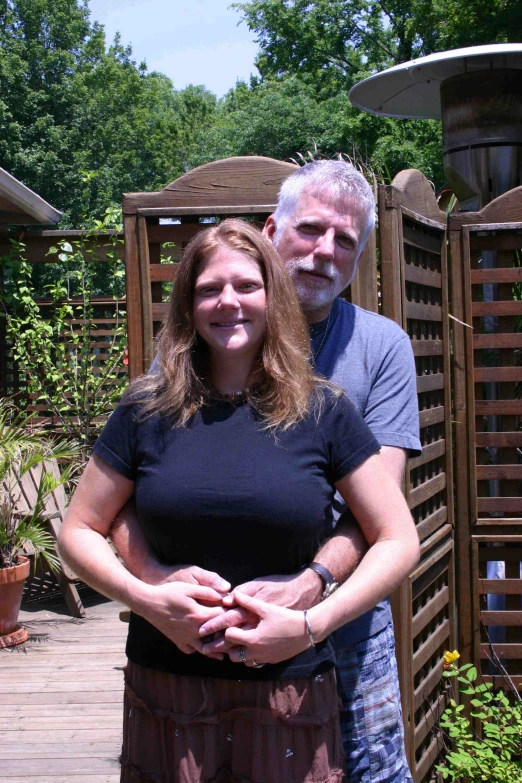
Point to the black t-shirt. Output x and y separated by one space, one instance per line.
226 495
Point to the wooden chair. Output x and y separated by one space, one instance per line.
25 496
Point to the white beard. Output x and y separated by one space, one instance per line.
315 293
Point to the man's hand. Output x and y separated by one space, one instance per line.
294 591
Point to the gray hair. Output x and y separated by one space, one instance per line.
326 179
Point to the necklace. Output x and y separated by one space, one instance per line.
316 354
234 397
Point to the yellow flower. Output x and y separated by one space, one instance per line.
451 657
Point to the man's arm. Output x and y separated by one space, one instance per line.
128 538
341 555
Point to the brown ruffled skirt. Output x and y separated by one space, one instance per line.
203 730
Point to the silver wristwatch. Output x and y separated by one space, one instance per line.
330 583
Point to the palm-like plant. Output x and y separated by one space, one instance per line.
22 449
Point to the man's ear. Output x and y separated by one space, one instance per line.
269 228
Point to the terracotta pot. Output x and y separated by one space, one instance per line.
11 588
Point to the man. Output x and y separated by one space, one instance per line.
325 214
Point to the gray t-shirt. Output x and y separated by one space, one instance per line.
371 358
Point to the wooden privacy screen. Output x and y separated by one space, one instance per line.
414 293
486 277
240 187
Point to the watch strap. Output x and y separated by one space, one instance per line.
326 575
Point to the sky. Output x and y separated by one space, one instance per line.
191 41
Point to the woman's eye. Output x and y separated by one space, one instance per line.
207 291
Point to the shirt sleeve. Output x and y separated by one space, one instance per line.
392 410
349 440
117 442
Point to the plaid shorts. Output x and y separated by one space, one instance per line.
371 720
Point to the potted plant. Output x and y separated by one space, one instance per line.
24 449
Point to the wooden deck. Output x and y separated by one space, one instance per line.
61 696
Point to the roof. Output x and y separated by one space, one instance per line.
19 205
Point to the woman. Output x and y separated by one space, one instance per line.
233 451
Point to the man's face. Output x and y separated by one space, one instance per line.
320 245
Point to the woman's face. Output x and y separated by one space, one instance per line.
230 304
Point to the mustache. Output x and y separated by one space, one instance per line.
309 265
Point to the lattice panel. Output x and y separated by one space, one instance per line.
431 592
492 260
426 317
429 490
498 659
109 317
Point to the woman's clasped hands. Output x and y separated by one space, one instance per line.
186 613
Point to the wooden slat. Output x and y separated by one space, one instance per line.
420 276
432 522
482 276
501 504
498 408
501 618
497 242
497 374
430 452
509 652
431 416
426 686
500 472
430 757
132 282
433 382
431 719
500 586
230 210
163 273
428 241
427 347
159 310
513 439
436 559
427 490
496 308
430 610
497 341
499 522
423 312
489 553
431 645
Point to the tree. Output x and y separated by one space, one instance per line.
71 108
348 36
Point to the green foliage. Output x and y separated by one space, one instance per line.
23 449
280 117
70 105
493 753
73 375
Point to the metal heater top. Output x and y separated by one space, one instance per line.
412 90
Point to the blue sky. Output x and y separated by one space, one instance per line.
191 41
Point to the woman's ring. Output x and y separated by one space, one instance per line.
242 656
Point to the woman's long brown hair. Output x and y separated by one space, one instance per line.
285 386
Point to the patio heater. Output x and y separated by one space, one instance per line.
477 93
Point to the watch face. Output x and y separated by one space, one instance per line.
329 589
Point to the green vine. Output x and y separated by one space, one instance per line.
63 367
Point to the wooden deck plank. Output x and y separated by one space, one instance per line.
61 697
